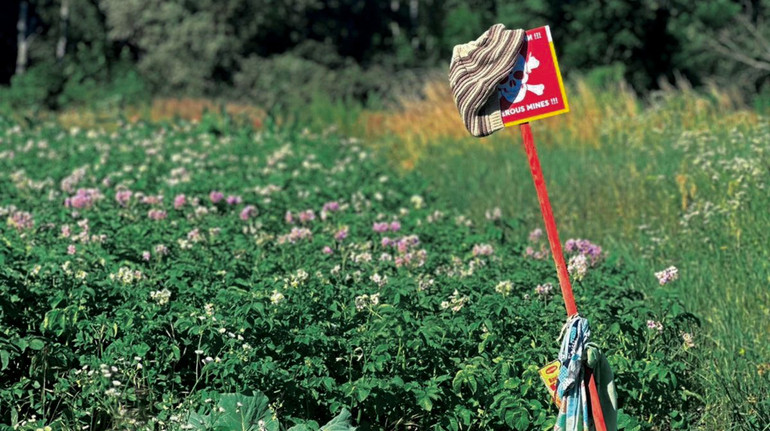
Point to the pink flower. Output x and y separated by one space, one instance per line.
157 214
307 215
146 256
123 196
341 234
194 235
234 200
331 206
179 201
385 241
667 275
296 234
544 289
216 196
152 200
535 235
653 324
84 198
71 249
161 249
247 212
380 227
21 220
65 231
327 250
288 218
395 226
483 250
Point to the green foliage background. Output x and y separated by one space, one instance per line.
275 53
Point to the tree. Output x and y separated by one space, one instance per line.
23 38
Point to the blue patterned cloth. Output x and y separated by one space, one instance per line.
572 389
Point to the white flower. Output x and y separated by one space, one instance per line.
276 297
578 266
161 296
456 302
126 275
504 287
379 280
688 340
361 302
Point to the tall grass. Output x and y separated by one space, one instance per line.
681 178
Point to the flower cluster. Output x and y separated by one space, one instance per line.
667 275
504 287
381 227
296 234
161 296
483 250
544 290
578 266
123 197
21 220
156 214
248 212
654 324
407 252
83 199
126 275
456 302
493 214
364 301
585 248
688 340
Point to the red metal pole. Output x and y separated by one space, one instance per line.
558 256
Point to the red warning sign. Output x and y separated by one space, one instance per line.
534 88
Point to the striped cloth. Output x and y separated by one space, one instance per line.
474 72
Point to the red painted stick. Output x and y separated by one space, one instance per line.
558 256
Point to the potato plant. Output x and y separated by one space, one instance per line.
152 274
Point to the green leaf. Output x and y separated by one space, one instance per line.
522 423
5 358
425 402
247 413
339 423
36 344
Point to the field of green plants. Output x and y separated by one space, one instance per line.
207 276
680 178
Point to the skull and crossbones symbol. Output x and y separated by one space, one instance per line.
515 86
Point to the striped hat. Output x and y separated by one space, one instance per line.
476 69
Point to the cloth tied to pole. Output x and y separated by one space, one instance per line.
571 390
575 355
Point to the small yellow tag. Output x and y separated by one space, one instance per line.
550 376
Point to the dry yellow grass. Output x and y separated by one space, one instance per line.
163 109
192 109
419 123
